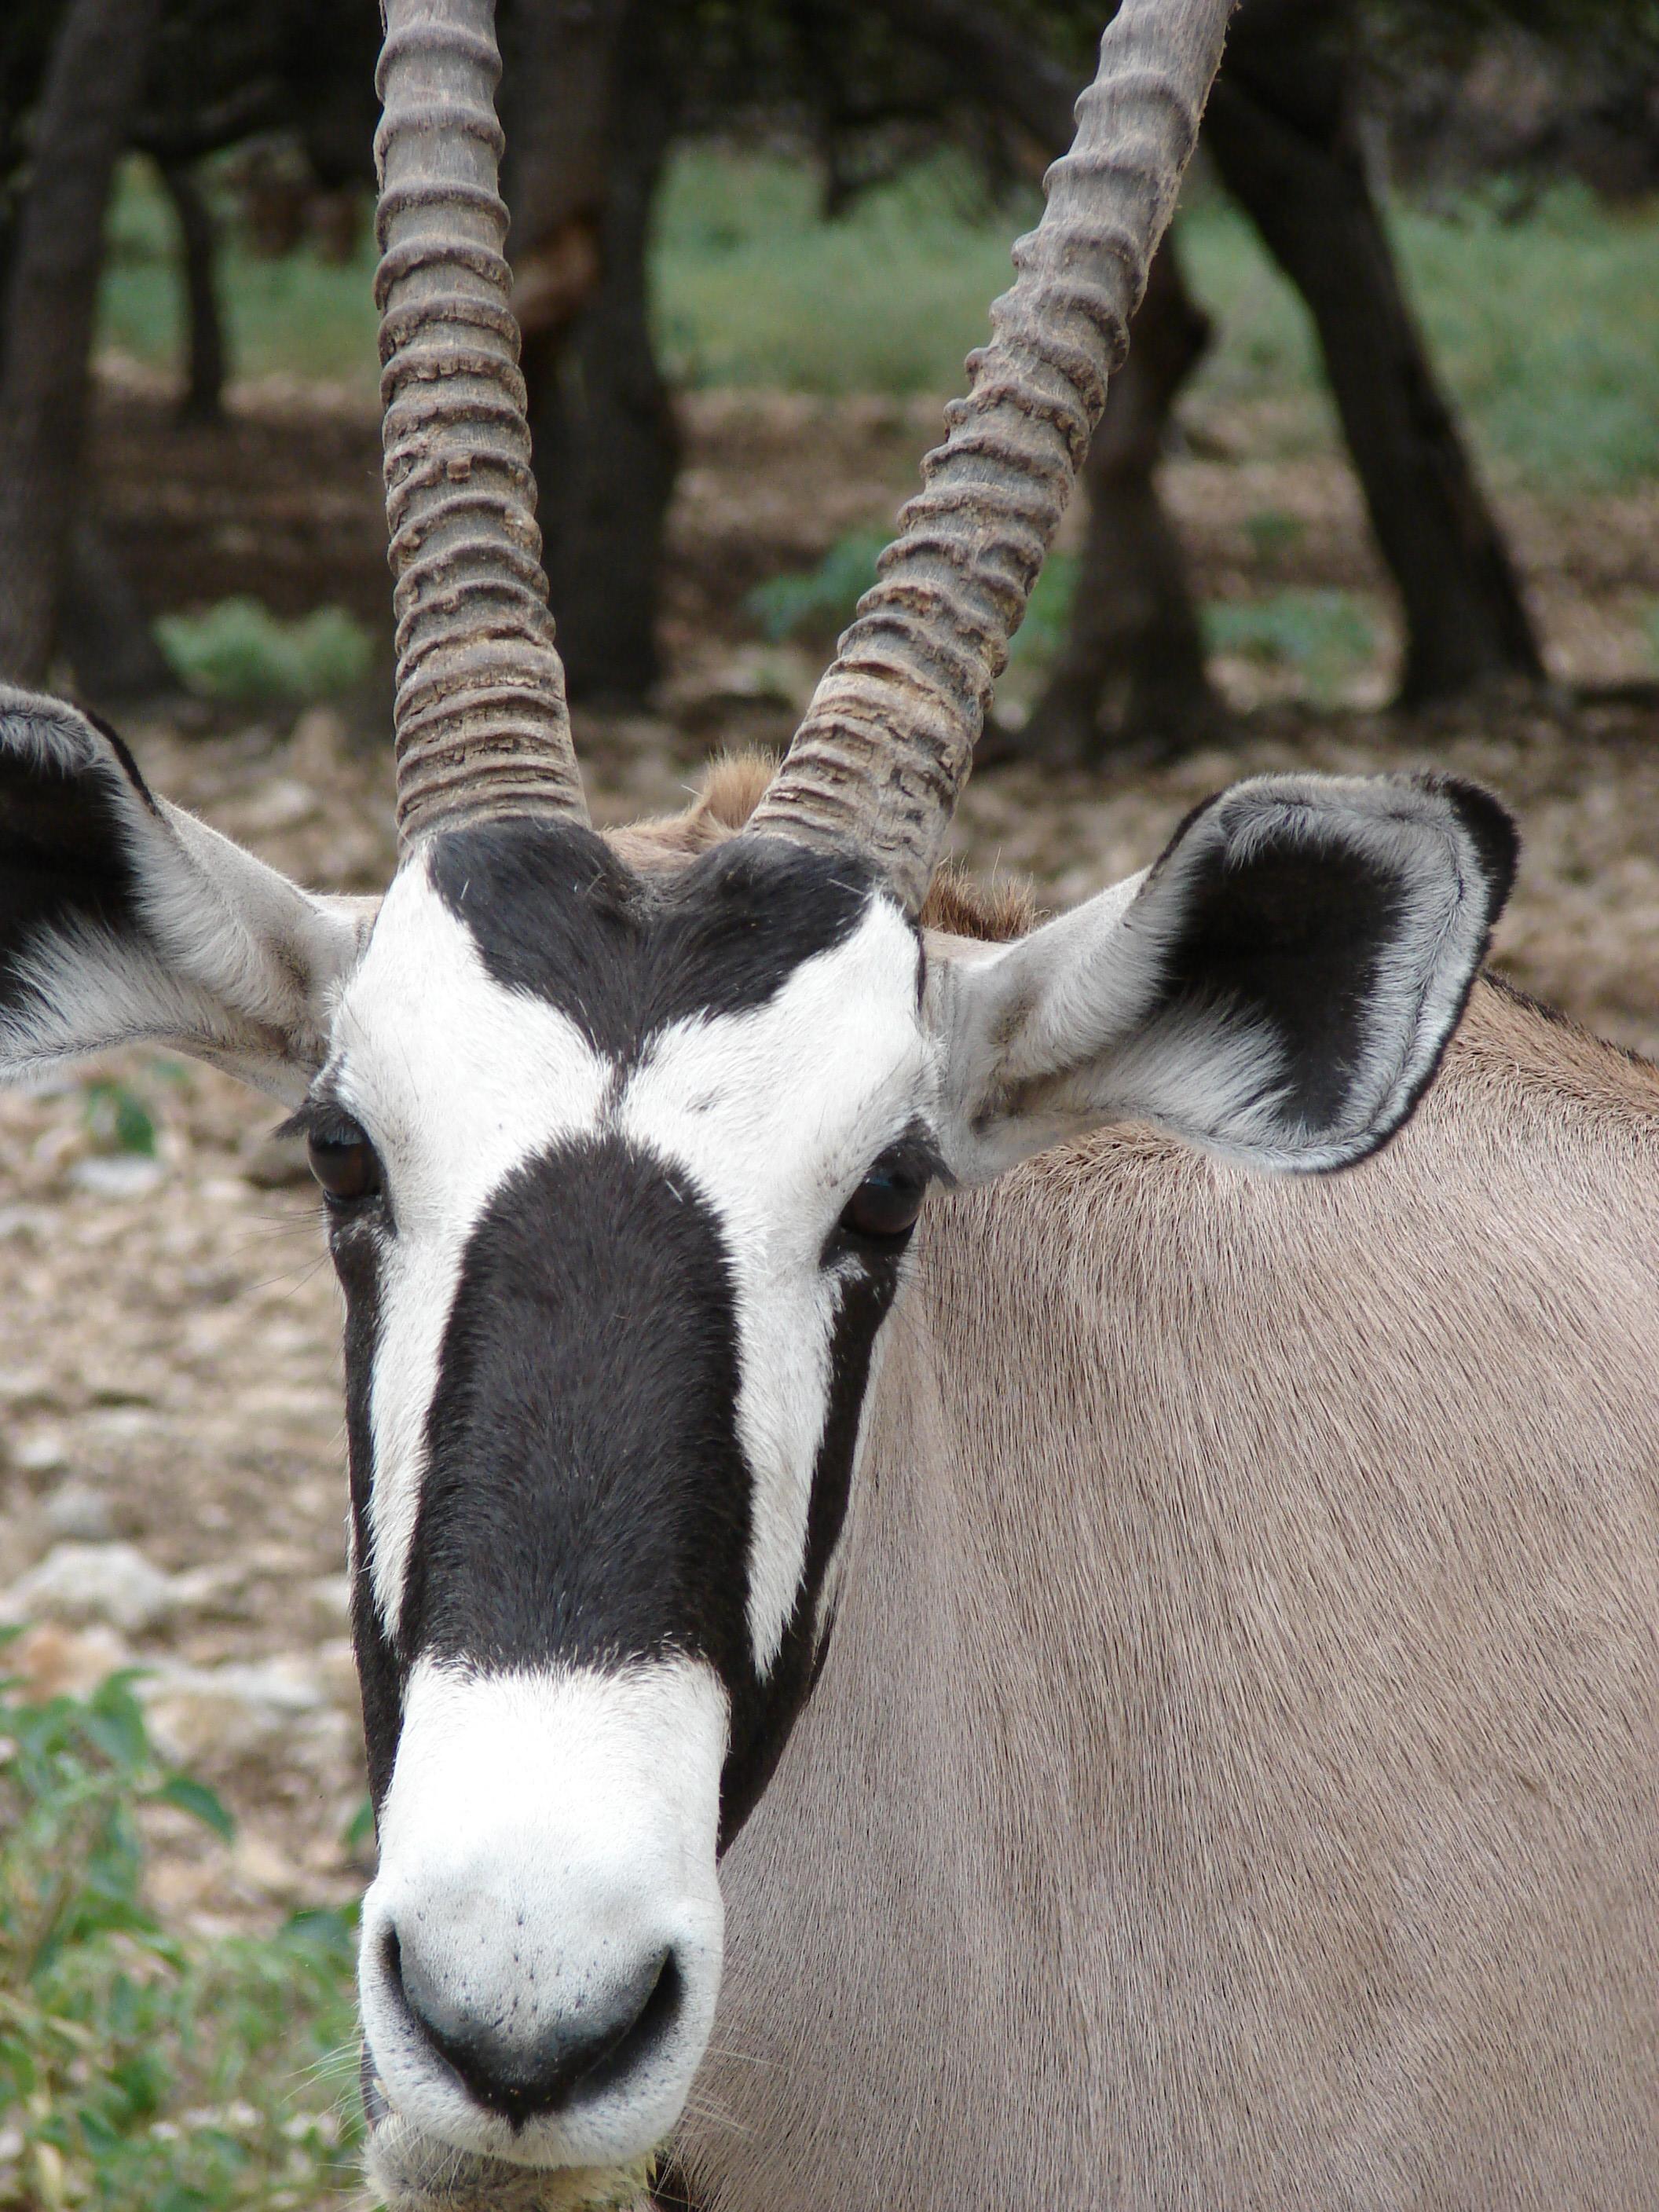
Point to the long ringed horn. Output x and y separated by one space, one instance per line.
884 750
482 725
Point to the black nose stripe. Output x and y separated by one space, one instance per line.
586 1497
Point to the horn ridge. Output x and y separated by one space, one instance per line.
887 741
482 724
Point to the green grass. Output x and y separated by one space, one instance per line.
301 315
1547 331
238 650
1327 636
142 2070
752 286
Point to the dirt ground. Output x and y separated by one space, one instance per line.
169 1371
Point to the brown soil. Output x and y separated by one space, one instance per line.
169 1362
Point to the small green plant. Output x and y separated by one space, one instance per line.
140 2070
118 1119
818 603
239 651
1325 636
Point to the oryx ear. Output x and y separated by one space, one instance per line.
122 920
1278 987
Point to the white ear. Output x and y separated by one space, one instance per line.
123 920
1278 987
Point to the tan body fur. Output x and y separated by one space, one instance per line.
1234 1780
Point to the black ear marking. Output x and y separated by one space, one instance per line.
1343 920
130 768
64 853
1293 936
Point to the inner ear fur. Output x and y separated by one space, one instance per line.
1278 987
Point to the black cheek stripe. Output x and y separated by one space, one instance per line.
379 1676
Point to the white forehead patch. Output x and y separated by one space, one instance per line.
777 1113
458 1082
773 1114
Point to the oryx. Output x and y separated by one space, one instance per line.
927 1633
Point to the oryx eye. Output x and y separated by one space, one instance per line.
344 1163
884 1206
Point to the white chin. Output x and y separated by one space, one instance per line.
415 2172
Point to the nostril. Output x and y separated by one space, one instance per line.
526 2073
640 2038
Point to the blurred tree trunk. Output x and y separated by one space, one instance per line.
204 389
1133 663
102 629
91 92
1280 128
597 101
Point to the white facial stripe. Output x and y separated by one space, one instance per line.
776 1114
542 1832
459 1082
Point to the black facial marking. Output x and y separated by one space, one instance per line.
553 912
63 853
356 1262
586 1496
1293 936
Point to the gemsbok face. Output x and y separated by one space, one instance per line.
623 1147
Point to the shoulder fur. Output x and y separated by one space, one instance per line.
730 788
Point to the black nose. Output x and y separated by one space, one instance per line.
523 2066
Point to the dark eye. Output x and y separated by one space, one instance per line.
345 1163
884 1206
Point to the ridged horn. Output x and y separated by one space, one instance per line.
482 725
885 748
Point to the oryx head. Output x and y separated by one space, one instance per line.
622 1156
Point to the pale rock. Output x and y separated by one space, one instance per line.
119 1175
80 1512
122 1419
238 1711
43 1451
79 1583
19 1386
